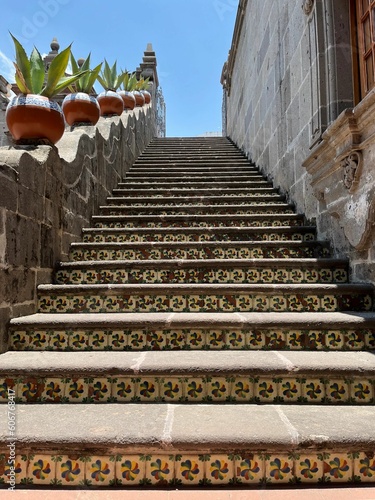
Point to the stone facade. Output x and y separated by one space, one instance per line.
4 92
288 89
48 195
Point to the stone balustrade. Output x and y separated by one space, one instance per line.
49 193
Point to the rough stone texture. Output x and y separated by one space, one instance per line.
290 81
44 364
48 195
164 427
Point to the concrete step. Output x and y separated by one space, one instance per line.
191 200
205 298
323 378
264 196
191 234
199 250
253 208
204 168
258 182
204 271
182 176
311 331
178 193
182 445
218 181
202 221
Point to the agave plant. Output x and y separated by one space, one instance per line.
86 82
109 78
30 73
143 83
130 81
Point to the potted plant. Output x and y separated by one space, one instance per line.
32 116
129 85
109 101
143 86
80 106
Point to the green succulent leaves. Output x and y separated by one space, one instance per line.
109 79
129 82
30 73
86 82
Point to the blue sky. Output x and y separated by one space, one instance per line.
191 39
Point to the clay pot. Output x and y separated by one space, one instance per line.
81 108
128 98
139 98
147 96
110 103
34 117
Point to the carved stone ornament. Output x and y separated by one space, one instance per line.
308 6
352 167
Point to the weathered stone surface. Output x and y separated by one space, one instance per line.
286 86
225 428
49 194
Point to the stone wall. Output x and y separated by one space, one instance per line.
287 79
48 195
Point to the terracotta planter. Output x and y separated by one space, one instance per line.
139 98
128 98
147 96
110 103
34 117
81 108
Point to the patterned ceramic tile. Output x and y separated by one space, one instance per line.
99 389
42 469
171 389
123 389
219 469
175 339
362 391
196 339
70 471
137 339
189 470
194 389
265 390
364 467
242 389
313 390
100 471
117 340
160 469
53 390
19 340
308 468
218 388
130 470
249 469
279 468
147 388
337 391
338 467
76 390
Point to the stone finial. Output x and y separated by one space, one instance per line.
149 48
80 62
55 45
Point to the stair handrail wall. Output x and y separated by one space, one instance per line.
48 194
290 106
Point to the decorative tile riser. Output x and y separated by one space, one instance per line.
216 338
334 274
255 468
85 302
301 251
119 210
215 222
157 203
233 388
134 236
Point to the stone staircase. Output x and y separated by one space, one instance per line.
199 335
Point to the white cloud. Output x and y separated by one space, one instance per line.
6 67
